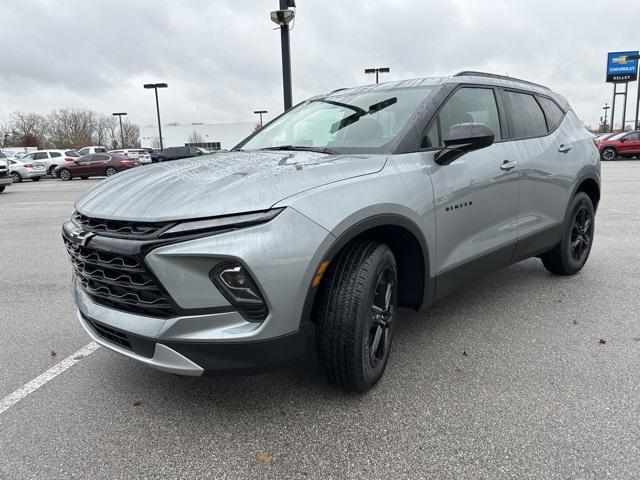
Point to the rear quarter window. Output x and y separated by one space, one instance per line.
552 111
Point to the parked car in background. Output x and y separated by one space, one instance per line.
5 177
155 153
134 153
602 137
51 158
177 153
26 168
624 144
328 219
90 150
95 165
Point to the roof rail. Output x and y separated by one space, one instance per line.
338 90
471 73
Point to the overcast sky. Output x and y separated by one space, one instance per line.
221 59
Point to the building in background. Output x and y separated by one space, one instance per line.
216 135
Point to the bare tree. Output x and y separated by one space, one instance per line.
195 137
71 128
131 134
155 142
30 129
106 131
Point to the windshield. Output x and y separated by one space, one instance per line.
351 120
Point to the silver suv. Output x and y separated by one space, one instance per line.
326 220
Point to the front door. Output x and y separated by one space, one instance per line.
476 195
630 144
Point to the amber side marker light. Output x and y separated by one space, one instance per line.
318 277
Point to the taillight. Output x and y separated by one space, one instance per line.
126 162
28 165
69 159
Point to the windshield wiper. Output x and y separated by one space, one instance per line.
359 112
301 148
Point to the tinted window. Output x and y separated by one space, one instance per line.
527 119
101 158
552 111
633 136
466 105
84 151
85 159
71 153
55 154
40 156
100 150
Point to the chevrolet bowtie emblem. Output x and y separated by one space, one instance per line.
81 238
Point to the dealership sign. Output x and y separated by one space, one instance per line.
622 66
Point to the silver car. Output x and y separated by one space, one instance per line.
25 168
327 220
51 158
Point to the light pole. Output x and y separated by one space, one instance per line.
637 119
377 71
283 17
120 115
156 86
605 108
260 112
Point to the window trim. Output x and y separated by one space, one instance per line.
436 115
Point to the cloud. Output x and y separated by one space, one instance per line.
222 59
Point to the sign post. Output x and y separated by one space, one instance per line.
622 67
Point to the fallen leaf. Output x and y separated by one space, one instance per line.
138 403
458 370
265 457
52 354
465 353
602 341
575 322
288 444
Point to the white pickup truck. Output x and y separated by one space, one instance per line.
5 176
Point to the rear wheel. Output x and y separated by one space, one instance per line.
110 171
65 175
16 177
609 153
355 315
570 255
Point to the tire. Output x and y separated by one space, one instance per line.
570 255
35 179
110 171
609 153
355 315
52 171
83 178
1 188
16 177
65 175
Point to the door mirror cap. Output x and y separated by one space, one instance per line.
463 138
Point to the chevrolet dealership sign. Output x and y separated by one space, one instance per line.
622 67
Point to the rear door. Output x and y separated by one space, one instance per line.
39 160
476 199
100 163
630 144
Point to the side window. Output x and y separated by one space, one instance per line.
100 150
40 156
466 105
552 111
633 136
527 119
84 151
101 158
85 159
55 154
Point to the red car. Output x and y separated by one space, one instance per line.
95 165
624 144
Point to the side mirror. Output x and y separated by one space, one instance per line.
463 138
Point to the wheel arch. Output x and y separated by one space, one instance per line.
406 241
590 185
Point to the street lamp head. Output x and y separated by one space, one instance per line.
282 17
369 70
117 114
155 85
260 111
384 70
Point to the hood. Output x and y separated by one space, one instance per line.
220 184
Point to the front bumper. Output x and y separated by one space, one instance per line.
29 173
282 256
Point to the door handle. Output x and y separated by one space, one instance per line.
564 148
508 165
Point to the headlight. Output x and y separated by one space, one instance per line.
221 223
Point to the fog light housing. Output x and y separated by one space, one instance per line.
236 284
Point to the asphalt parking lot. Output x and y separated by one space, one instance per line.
507 378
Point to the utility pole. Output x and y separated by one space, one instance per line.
120 115
156 86
377 71
605 108
284 17
260 112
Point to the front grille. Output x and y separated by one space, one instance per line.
118 281
114 336
119 227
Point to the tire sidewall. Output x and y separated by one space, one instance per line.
609 149
64 175
581 199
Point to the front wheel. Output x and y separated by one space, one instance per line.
609 153
52 171
355 315
110 171
570 255
65 175
16 177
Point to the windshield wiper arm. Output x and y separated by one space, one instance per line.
301 148
351 119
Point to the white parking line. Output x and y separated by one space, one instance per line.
50 374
